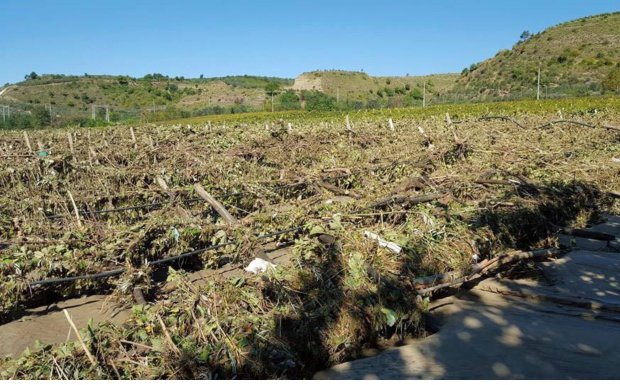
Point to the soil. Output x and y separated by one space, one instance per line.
49 325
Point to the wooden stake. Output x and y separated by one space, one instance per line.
167 335
162 183
133 137
77 333
27 141
75 209
70 138
391 124
215 204
94 155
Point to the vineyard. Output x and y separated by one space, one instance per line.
354 211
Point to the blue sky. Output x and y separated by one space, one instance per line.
275 38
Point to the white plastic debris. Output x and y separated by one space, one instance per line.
259 265
393 247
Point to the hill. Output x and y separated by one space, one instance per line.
574 57
359 86
80 93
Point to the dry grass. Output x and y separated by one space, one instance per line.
341 293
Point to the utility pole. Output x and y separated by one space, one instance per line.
538 84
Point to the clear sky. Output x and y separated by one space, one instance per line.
275 38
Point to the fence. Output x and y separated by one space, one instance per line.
21 116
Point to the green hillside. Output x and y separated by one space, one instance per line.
361 87
123 92
574 58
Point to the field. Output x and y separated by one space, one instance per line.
120 211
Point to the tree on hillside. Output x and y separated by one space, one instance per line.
31 76
289 100
611 83
525 36
40 117
318 101
272 89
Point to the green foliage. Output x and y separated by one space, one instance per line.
318 101
155 76
31 76
272 88
289 100
40 117
611 83
525 36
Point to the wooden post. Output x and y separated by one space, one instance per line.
75 209
162 183
133 135
348 122
391 124
79 337
27 141
92 153
215 204
538 84
70 138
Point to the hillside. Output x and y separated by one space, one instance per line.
79 93
359 86
574 58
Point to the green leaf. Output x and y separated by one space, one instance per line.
157 344
335 223
237 281
204 355
142 336
390 316
317 229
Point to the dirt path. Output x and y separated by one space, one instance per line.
565 326
49 325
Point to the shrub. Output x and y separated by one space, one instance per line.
611 83
318 101
289 100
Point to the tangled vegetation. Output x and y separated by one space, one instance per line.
478 182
